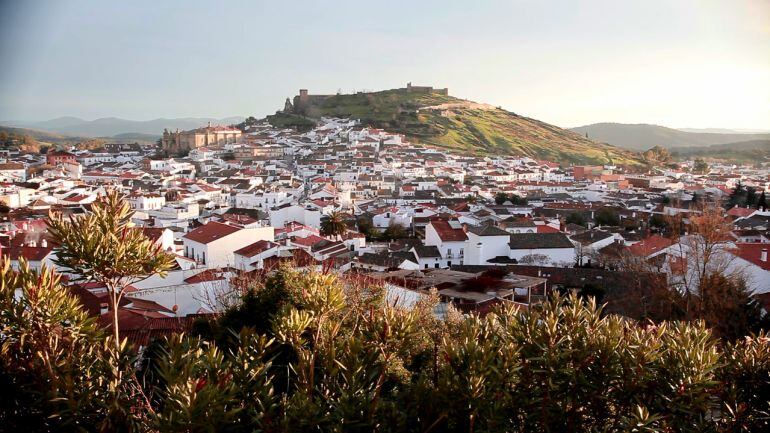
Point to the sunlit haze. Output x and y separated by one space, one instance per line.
698 64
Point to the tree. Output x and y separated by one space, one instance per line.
334 225
700 166
576 218
727 307
607 217
535 259
394 231
658 221
102 247
365 225
751 196
501 198
762 202
657 155
56 369
322 357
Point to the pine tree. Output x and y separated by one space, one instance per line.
762 202
102 247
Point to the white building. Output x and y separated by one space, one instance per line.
214 244
544 249
287 213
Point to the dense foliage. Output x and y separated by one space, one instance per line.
309 352
101 246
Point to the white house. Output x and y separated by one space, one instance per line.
13 172
485 243
287 213
545 249
449 238
252 256
214 244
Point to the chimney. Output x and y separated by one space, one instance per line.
763 256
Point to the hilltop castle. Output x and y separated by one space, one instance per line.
304 101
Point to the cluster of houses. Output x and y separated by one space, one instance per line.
480 230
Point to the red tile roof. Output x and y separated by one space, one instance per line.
740 212
546 229
308 241
211 232
448 234
649 246
205 276
752 253
255 248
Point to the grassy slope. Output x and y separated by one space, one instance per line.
474 130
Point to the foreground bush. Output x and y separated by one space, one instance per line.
326 356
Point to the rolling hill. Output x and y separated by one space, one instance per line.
112 126
437 119
42 136
746 152
643 136
45 138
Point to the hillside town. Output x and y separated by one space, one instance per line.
479 231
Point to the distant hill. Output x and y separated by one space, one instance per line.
46 138
726 131
433 117
642 136
42 136
750 152
111 126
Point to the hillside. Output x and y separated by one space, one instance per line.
49 139
642 136
112 126
747 152
41 136
435 118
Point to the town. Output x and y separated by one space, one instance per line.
343 197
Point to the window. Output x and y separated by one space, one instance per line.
436 265
203 257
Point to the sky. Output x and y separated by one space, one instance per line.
684 63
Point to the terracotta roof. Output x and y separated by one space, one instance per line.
753 253
740 212
308 241
205 276
448 234
255 248
31 254
211 232
649 246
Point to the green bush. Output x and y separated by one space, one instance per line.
330 355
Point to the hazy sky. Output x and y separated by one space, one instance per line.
678 63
